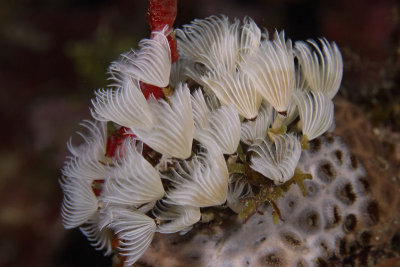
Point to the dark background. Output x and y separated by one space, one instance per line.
55 53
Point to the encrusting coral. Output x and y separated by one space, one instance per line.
226 131
347 216
334 220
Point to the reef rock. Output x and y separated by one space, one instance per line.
349 216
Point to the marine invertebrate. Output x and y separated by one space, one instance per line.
166 155
274 71
221 126
322 70
217 49
277 159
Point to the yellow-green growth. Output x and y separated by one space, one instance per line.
299 178
304 142
110 128
236 168
167 91
272 193
276 131
275 218
249 208
241 154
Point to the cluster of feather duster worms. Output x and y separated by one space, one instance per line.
167 139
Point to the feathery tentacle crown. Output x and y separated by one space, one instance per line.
273 71
148 164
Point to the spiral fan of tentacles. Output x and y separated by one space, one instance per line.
239 105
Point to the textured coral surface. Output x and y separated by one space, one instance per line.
350 214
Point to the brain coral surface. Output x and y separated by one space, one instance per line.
327 225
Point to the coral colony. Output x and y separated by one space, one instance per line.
223 125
